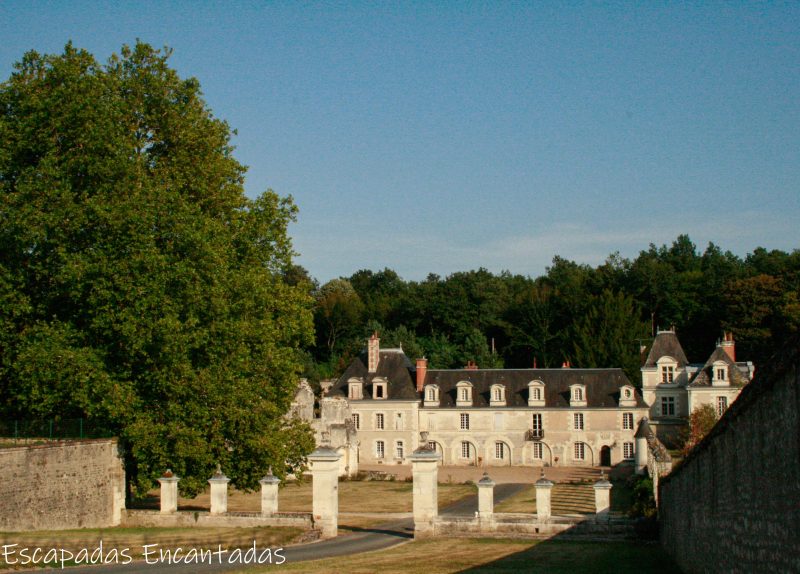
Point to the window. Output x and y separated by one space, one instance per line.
499 450
536 393
498 394
464 394
379 392
354 390
626 393
577 394
379 421
537 451
580 451
357 420
722 405
721 374
432 445
379 449
627 421
537 425
667 374
577 421
431 394
398 422
399 450
627 450
466 450
464 421
668 406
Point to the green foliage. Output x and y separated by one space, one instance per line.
643 501
701 421
139 287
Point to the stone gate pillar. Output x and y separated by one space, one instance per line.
269 493
485 497
219 492
425 471
544 489
325 472
169 492
602 496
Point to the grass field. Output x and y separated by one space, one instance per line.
450 555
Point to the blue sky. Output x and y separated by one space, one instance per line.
440 137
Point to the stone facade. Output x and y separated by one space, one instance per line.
733 505
376 411
62 485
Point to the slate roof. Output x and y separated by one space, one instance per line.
602 385
393 365
666 344
702 378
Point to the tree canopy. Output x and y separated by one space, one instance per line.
590 316
139 286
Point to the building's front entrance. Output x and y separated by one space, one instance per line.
605 456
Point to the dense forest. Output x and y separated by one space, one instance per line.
590 316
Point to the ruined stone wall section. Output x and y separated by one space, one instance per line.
733 505
61 485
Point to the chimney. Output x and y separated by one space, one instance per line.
422 368
471 366
729 345
373 352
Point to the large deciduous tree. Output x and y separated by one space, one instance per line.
139 286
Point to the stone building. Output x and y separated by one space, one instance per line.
523 417
482 417
674 388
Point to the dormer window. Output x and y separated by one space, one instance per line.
668 367
536 394
497 396
577 395
379 389
627 396
432 396
355 389
464 394
719 374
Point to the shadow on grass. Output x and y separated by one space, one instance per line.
564 554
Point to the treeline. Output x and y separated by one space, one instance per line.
590 316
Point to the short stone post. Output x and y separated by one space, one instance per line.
544 489
425 472
269 493
485 497
325 504
169 492
602 496
219 492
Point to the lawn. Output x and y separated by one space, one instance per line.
447 555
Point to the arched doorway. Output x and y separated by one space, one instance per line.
605 456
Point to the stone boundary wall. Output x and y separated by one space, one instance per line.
659 461
734 503
188 519
61 485
510 525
